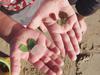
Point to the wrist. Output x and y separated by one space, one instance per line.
14 31
8 27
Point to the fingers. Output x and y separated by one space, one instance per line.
82 23
43 68
35 58
51 46
45 57
54 67
49 64
51 67
59 43
15 61
74 41
78 31
83 26
47 43
69 47
70 22
51 26
48 67
55 52
43 28
57 60
54 58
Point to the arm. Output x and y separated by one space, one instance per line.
8 27
16 35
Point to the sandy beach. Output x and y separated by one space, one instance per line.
88 61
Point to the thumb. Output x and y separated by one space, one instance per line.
43 28
15 61
35 23
83 26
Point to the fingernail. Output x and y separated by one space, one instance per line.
74 58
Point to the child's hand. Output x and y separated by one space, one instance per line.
44 55
66 42
53 7
68 39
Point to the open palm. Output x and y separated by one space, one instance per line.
51 9
45 56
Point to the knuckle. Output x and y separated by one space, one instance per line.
71 34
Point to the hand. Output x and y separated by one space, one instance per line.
52 8
69 37
82 23
66 40
45 56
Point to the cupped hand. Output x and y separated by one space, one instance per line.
44 55
66 42
68 39
52 9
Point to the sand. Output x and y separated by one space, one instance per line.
88 62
